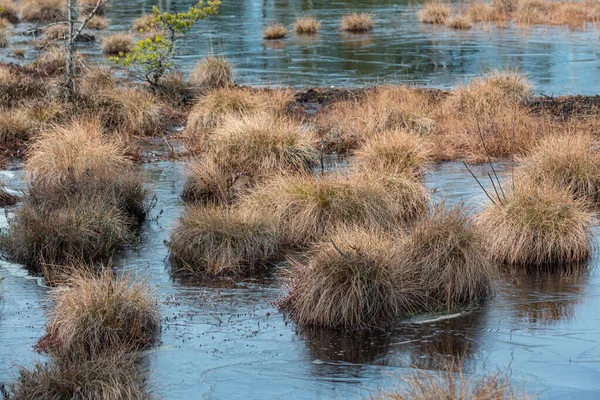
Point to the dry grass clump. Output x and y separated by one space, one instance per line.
537 225
117 44
210 110
51 62
100 314
43 10
394 152
53 33
247 149
5 24
351 280
479 12
274 31
459 22
223 241
7 199
307 25
3 38
88 6
97 23
112 376
130 111
357 22
531 12
349 123
568 161
212 72
309 207
434 13
145 23
15 127
448 252
9 11
451 384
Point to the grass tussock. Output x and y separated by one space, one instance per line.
4 38
53 33
97 314
97 23
131 111
112 376
5 24
223 241
43 10
145 23
210 110
568 161
434 13
451 384
537 225
274 31
459 22
394 152
117 44
357 22
350 123
51 62
87 6
245 150
9 11
309 207
6 198
307 25
17 87
350 280
212 72
448 251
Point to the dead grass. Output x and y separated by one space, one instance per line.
448 252
568 161
351 280
274 31
537 225
10 11
394 152
210 110
5 24
117 44
310 207
434 13
459 22
110 377
88 6
210 182
4 34
456 385
43 10
98 314
307 25
6 198
357 22
144 23
223 241
212 72
97 23
53 33
347 124
51 62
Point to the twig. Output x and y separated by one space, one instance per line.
479 183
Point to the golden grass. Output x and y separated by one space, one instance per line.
394 152
97 23
349 123
434 13
87 6
43 10
53 33
51 62
5 24
351 280
537 225
309 207
117 44
145 23
223 241
10 11
448 252
130 111
16 127
357 22
451 384
274 31
112 376
210 182
99 314
6 198
531 12
4 38
212 72
459 22
307 25
209 111
571 161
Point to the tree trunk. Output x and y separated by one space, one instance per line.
68 90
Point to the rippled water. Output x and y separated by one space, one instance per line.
556 59
230 342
